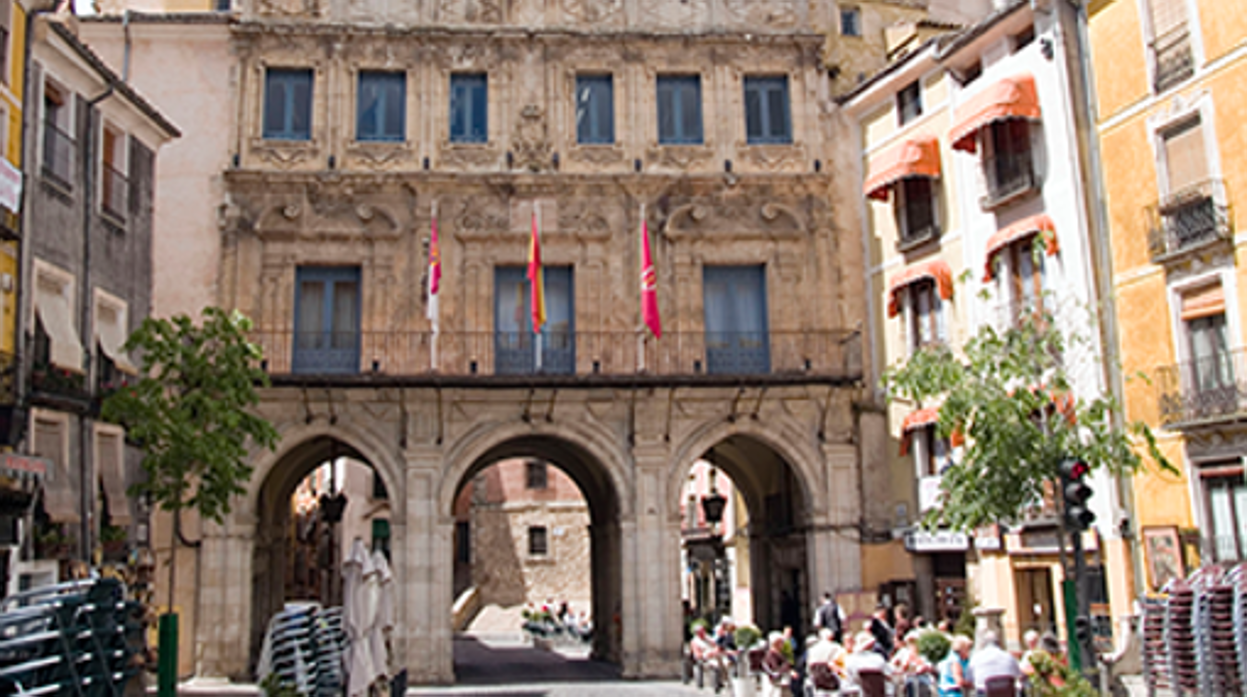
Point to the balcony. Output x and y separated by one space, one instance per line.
1191 219
831 355
1172 58
1203 391
58 387
1009 176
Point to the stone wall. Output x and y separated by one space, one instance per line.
508 575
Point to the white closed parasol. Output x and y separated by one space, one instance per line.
358 608
383 618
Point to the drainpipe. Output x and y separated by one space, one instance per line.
1101 251
125 60
85 312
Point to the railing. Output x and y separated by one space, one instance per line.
1188 219
1207 389
1008 174
115 192
1222 548
58 154
1172 58
58 383
826 352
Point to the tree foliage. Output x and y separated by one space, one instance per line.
190 410
1007 394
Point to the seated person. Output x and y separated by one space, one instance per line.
864 657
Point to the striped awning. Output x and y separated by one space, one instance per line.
1009 98
912 158
934 270
1022 229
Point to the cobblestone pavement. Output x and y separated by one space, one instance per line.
506 666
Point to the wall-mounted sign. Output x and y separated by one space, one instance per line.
937 541
18 466
10 185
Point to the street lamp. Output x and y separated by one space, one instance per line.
713 504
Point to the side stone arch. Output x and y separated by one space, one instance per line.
478 441
786 439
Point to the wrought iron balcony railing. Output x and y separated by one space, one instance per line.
1189 219
835 353
1008 175
1204 390
1173 61
58 154
51 382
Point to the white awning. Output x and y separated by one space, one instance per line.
110 464
110 333
52 308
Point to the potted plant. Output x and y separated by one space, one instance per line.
51 543
113 539
743 682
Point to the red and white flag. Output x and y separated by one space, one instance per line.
649 283
435 275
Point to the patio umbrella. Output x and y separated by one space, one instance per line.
357 615
383 618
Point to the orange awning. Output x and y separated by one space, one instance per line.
1010 98
937 271
912 158
1033 225
1205 302
917 419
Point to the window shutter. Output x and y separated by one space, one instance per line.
1205 302
60 498
1185 159
110 467
1167 15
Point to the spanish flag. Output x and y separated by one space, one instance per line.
435 274
536 278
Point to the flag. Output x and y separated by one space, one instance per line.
435 274
649 284
536 278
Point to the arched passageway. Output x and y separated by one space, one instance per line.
601 496
756 545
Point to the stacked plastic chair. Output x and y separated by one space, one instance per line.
1155 651
1224 675
330 641
1180 637
303 648
75 638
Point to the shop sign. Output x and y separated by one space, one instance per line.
10 185
17 466
937 541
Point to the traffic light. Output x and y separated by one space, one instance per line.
1075 493
1082 630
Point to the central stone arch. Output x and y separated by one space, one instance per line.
601 472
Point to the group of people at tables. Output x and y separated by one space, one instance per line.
850 657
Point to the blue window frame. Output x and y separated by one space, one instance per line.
595 109
288 104
469 108
514 345
679 110
381 106
767 114
326 322
737 341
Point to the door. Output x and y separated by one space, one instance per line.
736 326
1036 602
514 342
326 323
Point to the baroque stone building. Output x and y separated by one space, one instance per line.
707 121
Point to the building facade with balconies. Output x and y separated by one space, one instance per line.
1169 84
975 212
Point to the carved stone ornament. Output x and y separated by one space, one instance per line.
680 156
289 8
471 11
771 158
384 156
593 12
478 220
596 154
584 220
774 221
283 154
462 155
530 144
772 14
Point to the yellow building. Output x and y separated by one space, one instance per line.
12 71
1171 88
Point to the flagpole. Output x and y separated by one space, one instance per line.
640 253
540 278
437 320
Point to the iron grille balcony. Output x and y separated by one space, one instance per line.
52 383
1204 390
116 192
835 353
58 154
1187 220
1172 58
1008 175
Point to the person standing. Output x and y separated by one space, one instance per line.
881 630
830 616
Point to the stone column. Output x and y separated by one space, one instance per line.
657 540
834 550
224 637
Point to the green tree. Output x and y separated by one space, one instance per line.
190 413
1007 394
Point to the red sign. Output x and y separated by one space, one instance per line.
15 465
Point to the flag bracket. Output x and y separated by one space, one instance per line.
554 395
757 406
527 416
822 418
740 392
666 436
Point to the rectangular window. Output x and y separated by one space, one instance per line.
850 21
1227 512
737 341
469 108
595 110
1186 158
515 345
915 209
925 320
381 106
931 454
326 322
1026 272
767 117
58 142
536 475
381 536
1190 212
1211 372
538 542
1007 160
909 103
288 104
1173 60
6 29
679 110
114 184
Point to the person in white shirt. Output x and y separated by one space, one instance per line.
864 657
991 661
